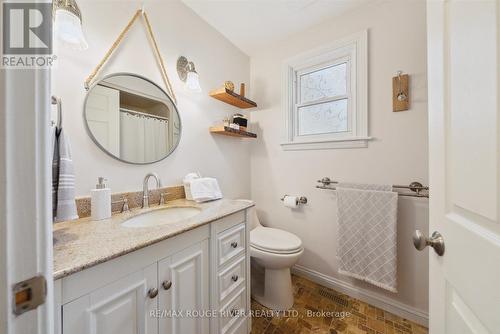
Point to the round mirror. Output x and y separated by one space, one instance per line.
132 119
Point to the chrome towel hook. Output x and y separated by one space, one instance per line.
57 101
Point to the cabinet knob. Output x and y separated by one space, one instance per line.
152 293
234 278
234 244
166 285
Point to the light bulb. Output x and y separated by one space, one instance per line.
68 29
193 82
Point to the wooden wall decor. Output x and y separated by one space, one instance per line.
400 92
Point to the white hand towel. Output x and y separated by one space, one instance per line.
367 234
205 189
191 176
187 184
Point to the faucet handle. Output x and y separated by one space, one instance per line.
124 201
125 207
162 197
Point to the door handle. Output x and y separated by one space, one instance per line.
436 241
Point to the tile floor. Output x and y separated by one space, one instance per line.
345 315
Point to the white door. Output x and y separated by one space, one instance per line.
103 117
463 74
123 307
25 195
183 281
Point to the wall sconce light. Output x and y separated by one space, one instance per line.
400 92
187 73
68 24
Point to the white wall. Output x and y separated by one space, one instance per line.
398 155
178 32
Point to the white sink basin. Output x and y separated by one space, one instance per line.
161 217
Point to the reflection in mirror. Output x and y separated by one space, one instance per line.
132 119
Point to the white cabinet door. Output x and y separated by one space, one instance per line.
183 281
122 307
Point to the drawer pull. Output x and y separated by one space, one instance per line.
234 244
166 285
234 312
234 278
152 293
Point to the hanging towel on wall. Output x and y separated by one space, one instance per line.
367 217
63 179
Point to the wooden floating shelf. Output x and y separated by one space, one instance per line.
227 131
230 97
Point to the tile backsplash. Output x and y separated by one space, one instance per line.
134 199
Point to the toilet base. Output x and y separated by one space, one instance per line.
272 288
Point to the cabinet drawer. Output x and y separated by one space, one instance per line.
229 221
232 278
232 312
230 244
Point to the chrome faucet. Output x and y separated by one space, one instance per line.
145 190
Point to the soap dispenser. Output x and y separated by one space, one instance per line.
100 202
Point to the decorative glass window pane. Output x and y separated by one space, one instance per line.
328 117
325 96
324 83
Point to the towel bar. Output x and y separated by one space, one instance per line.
418 190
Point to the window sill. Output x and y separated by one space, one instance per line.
355 142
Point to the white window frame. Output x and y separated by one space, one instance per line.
352 50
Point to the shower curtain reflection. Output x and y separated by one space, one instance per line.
143 138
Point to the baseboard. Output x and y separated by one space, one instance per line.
369 297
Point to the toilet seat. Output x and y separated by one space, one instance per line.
274 240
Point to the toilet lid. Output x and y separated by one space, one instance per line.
274 240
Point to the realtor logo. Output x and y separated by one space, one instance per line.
27 35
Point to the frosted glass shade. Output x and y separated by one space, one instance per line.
68 29
193 82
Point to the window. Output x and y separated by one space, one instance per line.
325 96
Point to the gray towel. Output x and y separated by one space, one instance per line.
365 186
63 179
367 233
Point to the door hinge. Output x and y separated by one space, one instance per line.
29 294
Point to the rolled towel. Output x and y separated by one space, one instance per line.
191 176
187 183
205 189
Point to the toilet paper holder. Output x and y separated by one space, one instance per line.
300 200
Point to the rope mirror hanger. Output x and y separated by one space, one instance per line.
154 45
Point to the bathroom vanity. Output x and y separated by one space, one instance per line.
155 271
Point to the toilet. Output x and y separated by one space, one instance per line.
273 252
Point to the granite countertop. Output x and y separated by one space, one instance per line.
83 243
